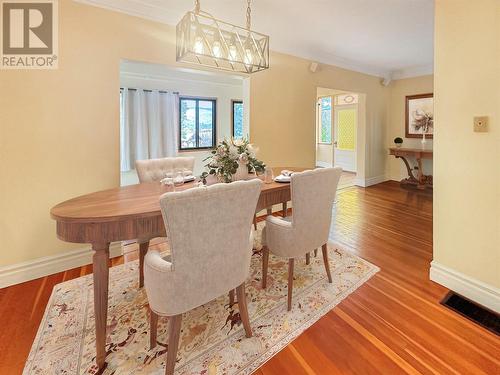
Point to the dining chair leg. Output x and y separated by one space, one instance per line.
143 249
242 305
153 328
231 297
284 208
255 221
290 282
315 253
265 264
324 248
174 332
308 258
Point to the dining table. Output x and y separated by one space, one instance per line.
128 213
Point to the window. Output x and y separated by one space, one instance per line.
325 119
197 123
237 119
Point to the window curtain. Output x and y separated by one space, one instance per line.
148 125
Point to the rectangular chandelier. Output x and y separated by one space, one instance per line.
205 40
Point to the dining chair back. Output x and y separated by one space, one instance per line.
313 194
155 169
210 240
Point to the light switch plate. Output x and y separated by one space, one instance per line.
481 124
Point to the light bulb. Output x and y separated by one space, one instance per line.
216 49
198 45
248 56
233 52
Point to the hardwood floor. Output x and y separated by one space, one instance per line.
392 324
346 180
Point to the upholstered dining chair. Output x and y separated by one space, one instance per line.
313 193
154 169
210 238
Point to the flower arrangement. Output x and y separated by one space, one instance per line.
423 120
231 155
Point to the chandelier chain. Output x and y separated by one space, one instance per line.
197 6
249 14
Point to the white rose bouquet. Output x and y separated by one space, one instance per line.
228 156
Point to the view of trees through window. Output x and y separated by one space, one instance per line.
197 123
237 119
325 106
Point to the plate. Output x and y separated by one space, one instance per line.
282 178
189 178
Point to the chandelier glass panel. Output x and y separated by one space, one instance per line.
205 40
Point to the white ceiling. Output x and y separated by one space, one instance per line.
379 37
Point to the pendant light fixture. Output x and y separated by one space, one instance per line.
205 40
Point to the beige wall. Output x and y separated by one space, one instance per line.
59 130
467 164
396 122
283 112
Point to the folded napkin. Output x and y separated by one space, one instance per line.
286 173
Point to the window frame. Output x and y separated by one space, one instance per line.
233 102
320 142
198 99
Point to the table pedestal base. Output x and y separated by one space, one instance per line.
421 181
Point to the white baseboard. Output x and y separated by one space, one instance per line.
475 290
369 181
323 164
33 269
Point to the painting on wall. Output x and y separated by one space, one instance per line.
419 115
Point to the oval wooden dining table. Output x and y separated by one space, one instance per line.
126 213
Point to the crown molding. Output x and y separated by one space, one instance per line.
139 8
136 8
339 62
415 71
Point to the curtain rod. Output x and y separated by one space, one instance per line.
147 90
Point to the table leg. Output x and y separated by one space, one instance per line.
284 208
101 279
143 250
269 210
421 182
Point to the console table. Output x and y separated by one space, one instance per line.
421 181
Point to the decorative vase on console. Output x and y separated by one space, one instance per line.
424 141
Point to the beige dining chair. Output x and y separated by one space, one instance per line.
154 169
210 238
313 193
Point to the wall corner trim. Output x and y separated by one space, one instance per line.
33 269
475 290
370 181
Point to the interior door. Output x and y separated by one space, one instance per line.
344 144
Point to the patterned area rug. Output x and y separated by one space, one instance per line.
212 337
